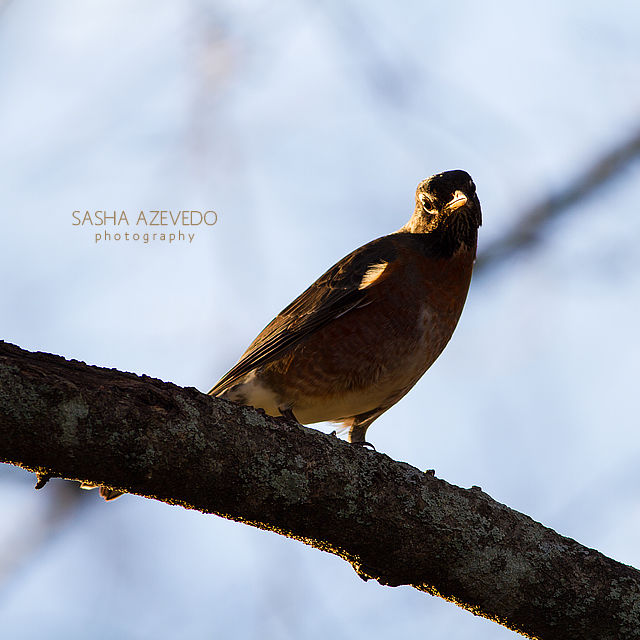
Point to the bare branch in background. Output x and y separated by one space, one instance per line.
4 4
392 522
392 82
31 533
529 227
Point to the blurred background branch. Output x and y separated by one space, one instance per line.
27 536
530 228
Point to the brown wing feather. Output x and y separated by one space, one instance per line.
332 295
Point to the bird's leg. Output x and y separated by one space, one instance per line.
288 414
359 428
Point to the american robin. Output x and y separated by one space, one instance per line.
362 335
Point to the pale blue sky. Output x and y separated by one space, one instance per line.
307 127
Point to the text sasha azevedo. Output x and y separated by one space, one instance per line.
152 218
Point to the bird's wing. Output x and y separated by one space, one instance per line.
344 287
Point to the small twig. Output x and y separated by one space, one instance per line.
43 478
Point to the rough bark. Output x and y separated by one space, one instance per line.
391 521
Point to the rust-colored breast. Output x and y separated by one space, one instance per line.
378 351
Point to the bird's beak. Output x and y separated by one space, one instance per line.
458 200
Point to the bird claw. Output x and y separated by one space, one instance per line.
364 443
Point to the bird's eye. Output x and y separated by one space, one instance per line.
423 199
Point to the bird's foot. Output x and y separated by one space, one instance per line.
363 443
288 414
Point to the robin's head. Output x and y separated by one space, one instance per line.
447 202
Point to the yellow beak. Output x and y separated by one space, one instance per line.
458 200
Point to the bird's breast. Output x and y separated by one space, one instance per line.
372 355
372 369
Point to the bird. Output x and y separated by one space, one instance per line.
360 337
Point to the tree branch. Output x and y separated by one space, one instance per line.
392 522
530 224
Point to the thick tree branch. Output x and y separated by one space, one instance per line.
391 521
